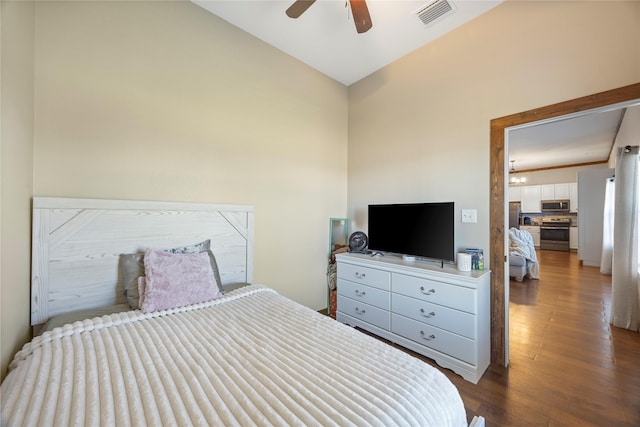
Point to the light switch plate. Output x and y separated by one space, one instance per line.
470 215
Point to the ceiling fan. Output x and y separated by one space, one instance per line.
359 11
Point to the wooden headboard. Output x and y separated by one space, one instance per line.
77 243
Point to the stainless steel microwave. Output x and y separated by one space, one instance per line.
557 206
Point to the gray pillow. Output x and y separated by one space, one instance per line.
63 319
132 267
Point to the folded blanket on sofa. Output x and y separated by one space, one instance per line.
521 243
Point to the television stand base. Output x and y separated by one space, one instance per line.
408 258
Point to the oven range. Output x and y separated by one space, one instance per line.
554 234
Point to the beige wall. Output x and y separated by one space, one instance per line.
419 128
164 101
16 152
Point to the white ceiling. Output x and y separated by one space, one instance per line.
582 139
325 38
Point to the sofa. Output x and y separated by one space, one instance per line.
523 260
517 267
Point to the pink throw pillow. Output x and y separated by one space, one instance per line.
176 280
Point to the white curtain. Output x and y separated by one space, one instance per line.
625 295
607 227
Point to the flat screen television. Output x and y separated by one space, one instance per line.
419 229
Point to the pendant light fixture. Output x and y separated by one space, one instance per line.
515 180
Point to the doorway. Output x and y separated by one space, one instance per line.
498 206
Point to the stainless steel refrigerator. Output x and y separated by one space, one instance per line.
514 215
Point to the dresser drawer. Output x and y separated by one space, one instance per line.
446 342
365 312
455 321
363 293
441 293
365 275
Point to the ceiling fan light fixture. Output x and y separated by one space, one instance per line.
514 179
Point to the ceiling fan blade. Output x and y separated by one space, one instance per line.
361 15
299 7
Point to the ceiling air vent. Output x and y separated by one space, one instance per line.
434 10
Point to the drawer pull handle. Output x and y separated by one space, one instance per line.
360 275
429 292
428 316
359 311
360 293
429 338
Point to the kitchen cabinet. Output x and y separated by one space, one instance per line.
530 196
530 199
561 191
573 197
514 194
573 238
534 230
547 192
555 191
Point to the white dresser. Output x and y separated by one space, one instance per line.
441 313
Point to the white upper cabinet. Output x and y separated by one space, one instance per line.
530 196
530 199
555 191
547 192
561 191
514 194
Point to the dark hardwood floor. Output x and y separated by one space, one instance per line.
568 366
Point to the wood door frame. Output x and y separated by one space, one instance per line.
497 194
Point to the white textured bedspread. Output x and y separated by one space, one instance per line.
252 357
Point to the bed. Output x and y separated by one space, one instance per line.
247 356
